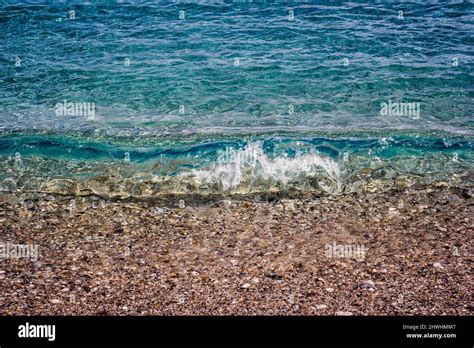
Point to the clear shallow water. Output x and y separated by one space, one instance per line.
234 97
238 164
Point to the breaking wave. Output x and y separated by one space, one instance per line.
250 168
282 165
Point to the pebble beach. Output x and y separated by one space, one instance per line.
240 257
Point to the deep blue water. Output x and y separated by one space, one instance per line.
147 97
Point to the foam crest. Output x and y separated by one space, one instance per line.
250 167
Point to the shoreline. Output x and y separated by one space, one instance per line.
99 257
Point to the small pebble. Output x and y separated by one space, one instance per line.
437 265
367 284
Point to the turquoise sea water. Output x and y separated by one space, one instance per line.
144 98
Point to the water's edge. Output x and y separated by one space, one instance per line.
281 164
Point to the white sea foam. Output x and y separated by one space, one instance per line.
250 165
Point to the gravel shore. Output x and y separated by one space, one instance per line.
98 257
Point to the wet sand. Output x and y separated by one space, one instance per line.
98 257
